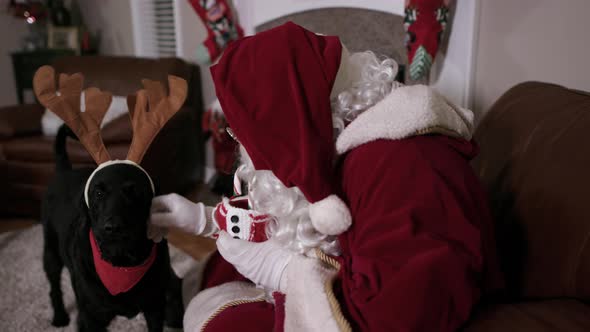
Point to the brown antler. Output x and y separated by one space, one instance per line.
150 110
66 105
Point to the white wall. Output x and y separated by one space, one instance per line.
113 19
544 40
13 30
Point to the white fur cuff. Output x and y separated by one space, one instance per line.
307 304
212 301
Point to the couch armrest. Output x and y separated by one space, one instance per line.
20 120
534 165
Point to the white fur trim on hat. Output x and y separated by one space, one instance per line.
330 216
115 162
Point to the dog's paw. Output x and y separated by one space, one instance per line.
60 320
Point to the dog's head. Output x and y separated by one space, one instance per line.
118 194
119 201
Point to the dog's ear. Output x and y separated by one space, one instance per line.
83 215
84 221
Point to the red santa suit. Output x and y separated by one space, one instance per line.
419 253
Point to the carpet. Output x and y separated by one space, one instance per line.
24 289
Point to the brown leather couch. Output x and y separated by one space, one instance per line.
534 161
174 160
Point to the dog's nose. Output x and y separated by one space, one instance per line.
110 227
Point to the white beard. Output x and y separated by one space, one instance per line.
293 228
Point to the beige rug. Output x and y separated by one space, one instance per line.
24 290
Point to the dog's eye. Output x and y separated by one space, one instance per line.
99 194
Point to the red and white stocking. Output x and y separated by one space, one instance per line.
221 26
425 22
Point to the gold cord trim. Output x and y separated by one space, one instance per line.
437 130
343 324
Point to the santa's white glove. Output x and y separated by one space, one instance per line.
173 210
264 263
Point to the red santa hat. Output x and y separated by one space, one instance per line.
274 89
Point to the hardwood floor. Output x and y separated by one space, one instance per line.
196 246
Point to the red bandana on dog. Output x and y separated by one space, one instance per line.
119 279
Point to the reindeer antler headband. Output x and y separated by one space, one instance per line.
149 110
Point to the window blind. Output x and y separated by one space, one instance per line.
154 31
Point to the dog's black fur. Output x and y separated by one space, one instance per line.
120 199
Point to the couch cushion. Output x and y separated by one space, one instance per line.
554 315
534 161
117 131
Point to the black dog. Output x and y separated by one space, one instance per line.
119 199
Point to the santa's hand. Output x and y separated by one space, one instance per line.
173 210
263 263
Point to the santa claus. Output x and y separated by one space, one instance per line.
371 218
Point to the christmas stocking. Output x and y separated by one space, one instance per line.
224 147
425 22
221 28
